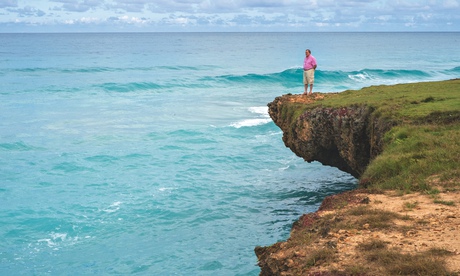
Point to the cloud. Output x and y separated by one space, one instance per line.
197 6
77 6
129 5
249 15
8 3
133 20
384 15
450 4
28 11
83 20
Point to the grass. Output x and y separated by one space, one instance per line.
393 262
425 140
434 193
373 218
410 205
413 154
374 255
357 218
403 102
320 256
444 202
421 152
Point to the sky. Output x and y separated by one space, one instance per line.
228 15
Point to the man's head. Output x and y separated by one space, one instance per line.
307 52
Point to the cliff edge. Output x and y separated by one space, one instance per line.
343 137
403 144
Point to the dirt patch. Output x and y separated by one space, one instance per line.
360 233
306 99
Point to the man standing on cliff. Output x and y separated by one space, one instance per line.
309 67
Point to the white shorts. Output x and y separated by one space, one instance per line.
309 76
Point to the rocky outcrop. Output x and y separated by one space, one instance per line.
346 137
360 233
350 231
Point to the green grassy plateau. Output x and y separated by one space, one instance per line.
423 149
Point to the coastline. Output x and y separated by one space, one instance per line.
391 216
360 233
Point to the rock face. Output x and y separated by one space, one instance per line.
342 236
347 137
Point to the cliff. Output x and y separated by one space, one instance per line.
403 144
344 137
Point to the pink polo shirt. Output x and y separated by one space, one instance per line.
309 62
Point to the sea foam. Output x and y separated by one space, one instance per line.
262 118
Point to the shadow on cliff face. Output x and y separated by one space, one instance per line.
347 138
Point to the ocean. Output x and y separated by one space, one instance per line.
153 153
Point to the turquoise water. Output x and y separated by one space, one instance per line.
153 153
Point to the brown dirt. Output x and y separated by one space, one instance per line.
305 98
331 240
432 225
423 222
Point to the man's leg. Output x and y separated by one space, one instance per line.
311 89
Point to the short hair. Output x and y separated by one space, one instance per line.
308 50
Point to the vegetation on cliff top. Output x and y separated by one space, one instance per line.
405 102
372 231
358 233
423 149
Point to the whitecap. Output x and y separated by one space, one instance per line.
284 168
360 76
164 189
57 238
259 110
262 119
49 242
113 207
250 123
